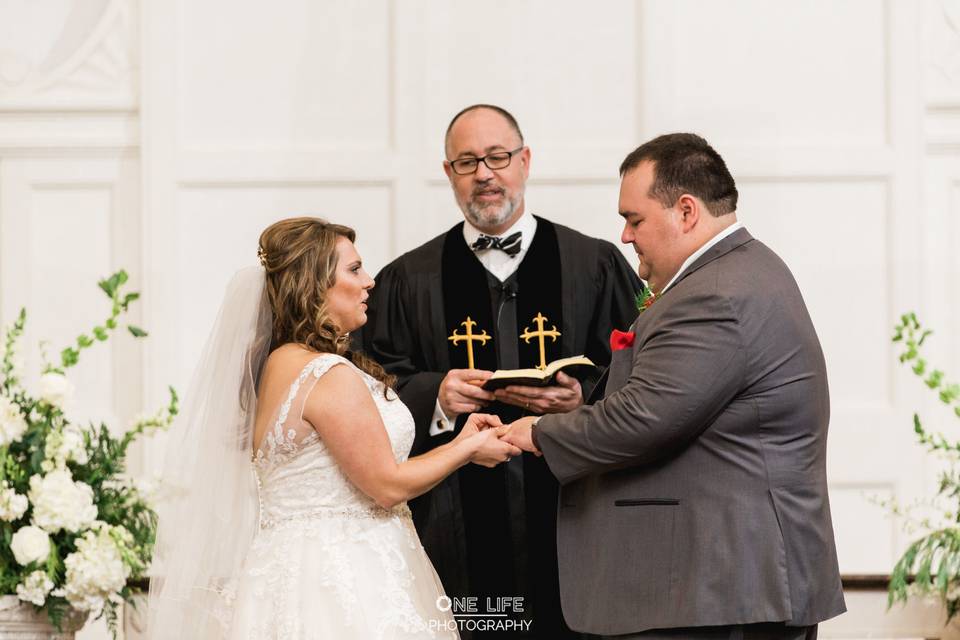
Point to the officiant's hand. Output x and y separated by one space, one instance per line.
562 397
460 391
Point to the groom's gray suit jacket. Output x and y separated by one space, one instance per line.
695 492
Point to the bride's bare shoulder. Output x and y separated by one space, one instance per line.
290 355
284 364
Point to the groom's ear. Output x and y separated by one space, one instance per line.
690 209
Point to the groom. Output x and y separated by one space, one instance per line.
694 493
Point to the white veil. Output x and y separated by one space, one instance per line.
210 518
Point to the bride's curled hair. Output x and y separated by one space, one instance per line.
300 259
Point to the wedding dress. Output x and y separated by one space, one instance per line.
327 561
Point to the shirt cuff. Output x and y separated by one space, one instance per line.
440 423
533 434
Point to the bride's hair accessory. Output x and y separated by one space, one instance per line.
262 256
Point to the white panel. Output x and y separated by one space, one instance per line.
297 74
65 223
953 273
853 516
771 73
941 40
589 208
567 74
218 230
439 214
68 55
833 237
69 250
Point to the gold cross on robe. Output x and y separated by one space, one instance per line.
541 334
469 337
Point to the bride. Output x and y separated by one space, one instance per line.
289 466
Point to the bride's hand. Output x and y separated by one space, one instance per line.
490 450
477 422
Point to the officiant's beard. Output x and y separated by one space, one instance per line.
490 216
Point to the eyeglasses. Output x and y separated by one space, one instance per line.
498 160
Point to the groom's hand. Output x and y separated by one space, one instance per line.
460 391
562 397
519 434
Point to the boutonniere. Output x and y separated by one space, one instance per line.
621 340
645 299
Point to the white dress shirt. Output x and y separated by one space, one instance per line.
500 265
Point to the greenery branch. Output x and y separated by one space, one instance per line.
934 559
111 286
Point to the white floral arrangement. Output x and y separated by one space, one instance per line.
76 533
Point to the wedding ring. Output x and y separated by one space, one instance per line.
526 405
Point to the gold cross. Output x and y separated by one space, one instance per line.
469 337
541 334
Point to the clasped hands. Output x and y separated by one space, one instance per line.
492 442
461 392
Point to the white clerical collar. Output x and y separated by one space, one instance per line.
702 250
499 263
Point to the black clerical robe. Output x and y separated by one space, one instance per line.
492 532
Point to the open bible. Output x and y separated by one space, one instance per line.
536 377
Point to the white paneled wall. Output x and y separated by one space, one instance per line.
164 138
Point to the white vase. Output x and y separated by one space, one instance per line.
21 621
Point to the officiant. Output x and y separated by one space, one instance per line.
502 289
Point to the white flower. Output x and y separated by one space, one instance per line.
12 504
55 389
30 544
35 588
12 423
65 444
60 503
95 571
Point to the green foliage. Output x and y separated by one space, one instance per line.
118 502
111 286
934 559
8 366
644 299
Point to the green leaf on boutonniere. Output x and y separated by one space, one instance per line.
644 299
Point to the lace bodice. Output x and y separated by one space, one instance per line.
297 476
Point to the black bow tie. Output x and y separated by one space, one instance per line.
509 245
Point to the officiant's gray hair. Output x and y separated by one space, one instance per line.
300 258
686 163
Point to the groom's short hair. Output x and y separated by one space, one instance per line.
686 163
